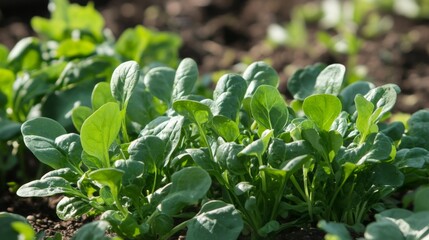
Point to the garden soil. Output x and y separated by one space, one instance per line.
219 34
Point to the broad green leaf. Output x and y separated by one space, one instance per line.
66 173
383 230
195 111
202 158
412 158
417 133
167 129
185 78
257 74
227 157
365 122
269 108
8 129
46 187
100 130
4 52
101 94
258 147
132 170
142 107
110 177
394 130
124 79
383 97
301 83
72 48
330 80
226 128
188 186
125 226
39 136
228 95
295 164
386 174
162 224
8 231
268 228
216 220
72 207
79 115
94 230
25 55
160 81
420 199
149 150
322 109
242 187
334 230
280 152
25 230
71 147
348 94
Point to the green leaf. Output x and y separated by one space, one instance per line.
94 230
301 83
8 129
226 128
185 78
188 186
383 230
7 78
412 158
71 48
160 82
227 157
257 74
280 152
228 95
334 230
195 111
295 164
143 107
40 135
330 80
202 158
149 150
268 228
124 79
418 131
101 94
25 55
66 173
322 109
79 115
72 207
383 97
420 199
132 170
348 94
386 174
110 177
216 220
257 148
46 187
100 130
366 120
9 230
269 108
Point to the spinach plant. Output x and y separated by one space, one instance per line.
153 157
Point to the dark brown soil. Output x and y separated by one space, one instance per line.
219 34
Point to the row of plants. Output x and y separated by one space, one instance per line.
241 162
51 74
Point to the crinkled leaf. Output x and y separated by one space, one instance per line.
417 131
132 170
188 186
46 187
124 79
383 97
149 150
330 80
195 111
257 74
160 82
412 158
227 157
185 78
301 83
269 108
216 220
348 94
71 208
65 173
228 95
